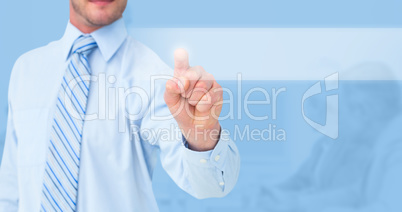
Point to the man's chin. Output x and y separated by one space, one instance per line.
101 19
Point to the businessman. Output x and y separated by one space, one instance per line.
70 147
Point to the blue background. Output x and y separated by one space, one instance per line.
25 25
45 21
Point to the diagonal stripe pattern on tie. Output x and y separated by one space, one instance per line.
60 183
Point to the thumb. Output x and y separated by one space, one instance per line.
180 62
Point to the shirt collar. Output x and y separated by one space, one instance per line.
109 38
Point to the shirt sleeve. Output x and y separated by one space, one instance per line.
213 173
9 195
8 170
206 174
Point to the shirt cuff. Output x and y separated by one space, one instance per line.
215 157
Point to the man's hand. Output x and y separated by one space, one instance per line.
195 100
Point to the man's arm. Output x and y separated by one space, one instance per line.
8 169
202 174
213 173
210 159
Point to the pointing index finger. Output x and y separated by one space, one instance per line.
180 62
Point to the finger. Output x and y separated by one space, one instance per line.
203 85
211 99
192 76
180 62
174 90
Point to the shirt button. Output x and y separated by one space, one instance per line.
203 161
217 158
221 183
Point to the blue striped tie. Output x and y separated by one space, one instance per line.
60 183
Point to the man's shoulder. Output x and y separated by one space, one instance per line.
139 47
32 65
145 57
40 53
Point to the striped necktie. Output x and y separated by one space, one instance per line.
60 183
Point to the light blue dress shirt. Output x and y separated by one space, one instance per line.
127 126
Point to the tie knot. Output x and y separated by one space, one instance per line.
84 45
